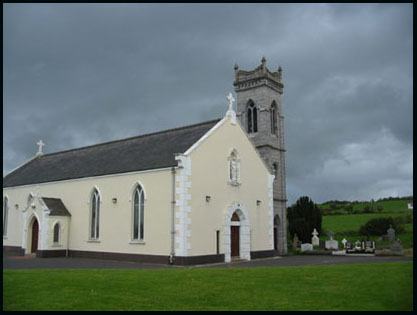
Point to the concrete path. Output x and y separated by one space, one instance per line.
30 262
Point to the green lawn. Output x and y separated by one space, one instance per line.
386 286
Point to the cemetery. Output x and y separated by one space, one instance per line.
359 247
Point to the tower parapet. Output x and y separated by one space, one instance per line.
259 76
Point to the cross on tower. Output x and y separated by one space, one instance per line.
40 144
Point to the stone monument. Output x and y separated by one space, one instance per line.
331 243
315 240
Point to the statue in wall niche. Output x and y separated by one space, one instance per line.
234 168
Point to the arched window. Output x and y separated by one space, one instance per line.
274 128
5 214
95 215
138 213
252 117
57 233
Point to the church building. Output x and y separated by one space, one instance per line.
209 192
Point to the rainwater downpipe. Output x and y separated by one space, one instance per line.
172 254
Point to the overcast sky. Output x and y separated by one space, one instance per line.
81 74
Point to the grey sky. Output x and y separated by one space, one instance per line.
80 74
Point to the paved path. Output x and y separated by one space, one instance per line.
10 262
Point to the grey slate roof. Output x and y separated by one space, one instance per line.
151 151
56 206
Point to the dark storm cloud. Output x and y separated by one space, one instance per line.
79 74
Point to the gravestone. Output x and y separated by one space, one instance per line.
369 247
349 247
344 241
358 246
315 240
295 242
331 243
306 247
396 247
391 233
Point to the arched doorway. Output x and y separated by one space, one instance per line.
236 233
235 236
276 225
35 236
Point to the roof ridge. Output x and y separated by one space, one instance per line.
134 137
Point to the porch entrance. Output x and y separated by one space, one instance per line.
35 236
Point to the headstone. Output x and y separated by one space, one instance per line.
358 246
349 247
306 247
330 234
315 240
295 242
331 243
370 247
391 233
344 241
396 247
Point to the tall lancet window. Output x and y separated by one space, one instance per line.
95 215
138 213
274 128
5 214
57 233
252 117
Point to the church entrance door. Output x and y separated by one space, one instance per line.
35 236
275 239
235 231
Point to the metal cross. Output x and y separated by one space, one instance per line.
231 100
40 144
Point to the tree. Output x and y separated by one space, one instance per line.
303 217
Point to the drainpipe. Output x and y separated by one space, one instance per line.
68 237
172 254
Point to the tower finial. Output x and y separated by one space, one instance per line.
263 60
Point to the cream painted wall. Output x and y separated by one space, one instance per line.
115 219
210 176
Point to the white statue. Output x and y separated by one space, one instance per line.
234 168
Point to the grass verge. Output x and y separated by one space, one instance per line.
385 286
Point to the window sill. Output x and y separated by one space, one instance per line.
93 241
137 242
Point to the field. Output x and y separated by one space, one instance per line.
331 287
346 225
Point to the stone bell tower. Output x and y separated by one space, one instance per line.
259 110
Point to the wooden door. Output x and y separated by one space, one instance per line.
35 236
275 238
234 240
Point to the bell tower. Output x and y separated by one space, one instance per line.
259 110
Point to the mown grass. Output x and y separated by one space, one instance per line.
386 286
